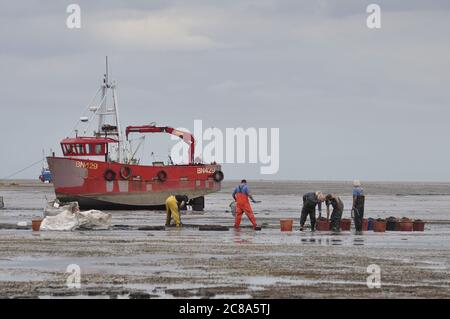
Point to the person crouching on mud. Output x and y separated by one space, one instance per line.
310 201
338 209
173 205
241 195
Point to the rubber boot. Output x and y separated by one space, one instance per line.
313 226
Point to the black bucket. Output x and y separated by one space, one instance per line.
390 223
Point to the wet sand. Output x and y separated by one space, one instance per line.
125 262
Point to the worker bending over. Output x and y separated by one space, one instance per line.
358 205
241 195
173 205
310 201
338 209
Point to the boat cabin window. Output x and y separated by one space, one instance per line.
67 149
96 149
80 150
83 149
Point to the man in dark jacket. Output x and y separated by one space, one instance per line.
358 205
310 201
338 209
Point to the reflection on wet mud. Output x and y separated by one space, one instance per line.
336 242
243 237
358 241
333 241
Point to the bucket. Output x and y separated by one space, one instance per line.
286 224
418 225
391 224
370 223
379 226
406 224
365 224
36 224
323 225
346 224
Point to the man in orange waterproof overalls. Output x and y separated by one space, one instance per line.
241 195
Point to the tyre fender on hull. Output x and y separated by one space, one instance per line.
109 175
125 172
218 176
162 176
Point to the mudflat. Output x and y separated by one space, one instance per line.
126 262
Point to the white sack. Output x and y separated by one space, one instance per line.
54 208
67 220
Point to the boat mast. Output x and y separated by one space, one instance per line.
102 112
113 110
120 145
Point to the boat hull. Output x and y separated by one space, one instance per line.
84 181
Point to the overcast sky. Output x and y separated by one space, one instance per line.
350 102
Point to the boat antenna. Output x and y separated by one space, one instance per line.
106 74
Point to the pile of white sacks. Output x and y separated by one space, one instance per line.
69 217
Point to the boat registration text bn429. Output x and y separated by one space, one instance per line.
88 165
206 170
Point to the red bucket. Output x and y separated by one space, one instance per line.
286 224
323 225
36 224
346 224
379 226
406 226
418 225
365 224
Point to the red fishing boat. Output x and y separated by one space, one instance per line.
100 170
